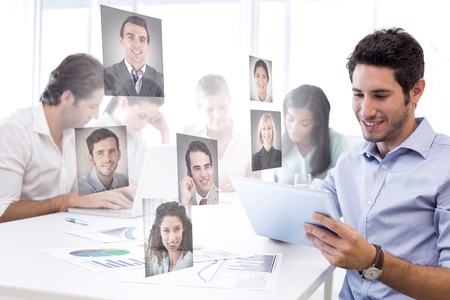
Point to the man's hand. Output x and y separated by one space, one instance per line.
346 249
113 199
186 189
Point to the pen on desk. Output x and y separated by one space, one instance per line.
77 221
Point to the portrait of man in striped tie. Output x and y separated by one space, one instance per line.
139 73
197 185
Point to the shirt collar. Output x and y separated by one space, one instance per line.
130 68
198 196
40 123
419 141
98 185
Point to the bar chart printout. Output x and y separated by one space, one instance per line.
256 263
256 272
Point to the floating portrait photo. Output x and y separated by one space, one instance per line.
168 241
132 53
260 73
197 170
102 159
266 139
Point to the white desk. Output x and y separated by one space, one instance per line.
28 273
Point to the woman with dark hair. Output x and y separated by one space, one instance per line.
170 241
135 113
261 75
309 145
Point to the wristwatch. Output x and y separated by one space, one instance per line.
374 272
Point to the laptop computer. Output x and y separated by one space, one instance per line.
158 179
278 211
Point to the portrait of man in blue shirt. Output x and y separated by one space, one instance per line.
393 191
104 155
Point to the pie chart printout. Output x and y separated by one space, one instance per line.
99 252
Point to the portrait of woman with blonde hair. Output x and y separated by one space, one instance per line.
267 157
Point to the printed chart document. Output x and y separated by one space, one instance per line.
117 256
256 272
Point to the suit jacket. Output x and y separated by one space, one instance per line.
118 82
259 162
213 197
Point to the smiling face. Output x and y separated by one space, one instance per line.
172 233
267 133
381 107
201 171
105 157
300 124
261 79
135 44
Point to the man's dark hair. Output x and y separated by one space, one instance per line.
393 48
136 21
99 135
196 146
80 73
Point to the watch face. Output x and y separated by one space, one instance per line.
372 273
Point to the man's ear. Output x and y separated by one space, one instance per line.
417 91
90 159
120 155
67 98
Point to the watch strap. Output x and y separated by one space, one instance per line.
378 261
379 257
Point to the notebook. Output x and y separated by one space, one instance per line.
278 211
158 179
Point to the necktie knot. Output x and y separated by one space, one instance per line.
203 201
137 79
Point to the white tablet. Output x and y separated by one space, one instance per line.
278 211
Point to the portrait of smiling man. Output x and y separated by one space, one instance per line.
197 186
133 75
104 156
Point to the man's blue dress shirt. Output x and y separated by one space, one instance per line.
401 202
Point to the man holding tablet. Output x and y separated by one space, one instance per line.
394 190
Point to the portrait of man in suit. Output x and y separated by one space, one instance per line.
132 75
197 186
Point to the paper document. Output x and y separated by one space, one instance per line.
256 272
103 258
110 235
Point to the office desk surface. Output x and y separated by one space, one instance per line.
26 272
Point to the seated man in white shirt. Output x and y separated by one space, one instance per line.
104 154
37 152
